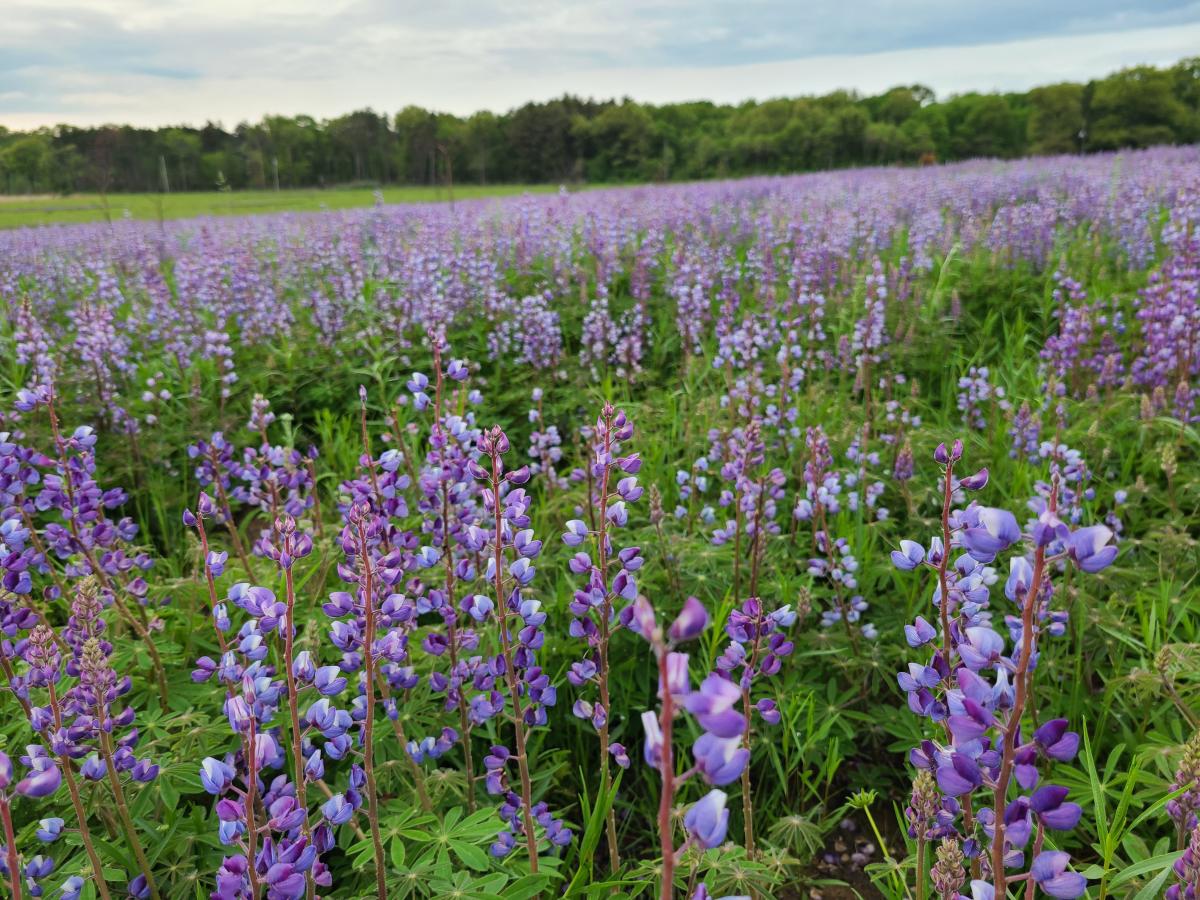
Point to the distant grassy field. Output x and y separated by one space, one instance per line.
17 211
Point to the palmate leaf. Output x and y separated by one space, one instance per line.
470 855
729 871
478 826
526 887
463 885
418 828
413 880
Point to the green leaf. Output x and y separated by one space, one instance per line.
491 883
1166 860
1158 804
121 855
471 855
1098 798
1152 889
483 818
524 888
168 793
591 837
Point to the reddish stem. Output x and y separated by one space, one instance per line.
10 840
666 768
369 722
1000 793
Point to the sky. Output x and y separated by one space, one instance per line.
159 62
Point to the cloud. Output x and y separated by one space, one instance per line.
152 62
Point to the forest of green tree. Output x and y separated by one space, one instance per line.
576 140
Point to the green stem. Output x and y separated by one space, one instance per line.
77 802
369 722
510 673
301 776
920 868
123 811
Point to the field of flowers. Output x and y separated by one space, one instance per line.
819 536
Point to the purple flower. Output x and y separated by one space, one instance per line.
652 749
909 556
678 681
701 893
285 881
713 706
328 681
641 618
720 760
43 779
1056 741
1090 548
919 633
503 845
918 677
576 533
707 819
692 620
336 810
215 776
960 776
980 647
1049 804
769 710
975 482
1050 872
996 530
480 606
49 829
1020 576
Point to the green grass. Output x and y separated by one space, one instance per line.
18 211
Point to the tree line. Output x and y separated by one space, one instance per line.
572 139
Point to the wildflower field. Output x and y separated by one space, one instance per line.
817 536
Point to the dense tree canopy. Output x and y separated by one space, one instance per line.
573 139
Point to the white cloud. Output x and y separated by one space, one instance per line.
174 62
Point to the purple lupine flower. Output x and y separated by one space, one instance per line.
707 820
1090 548
967 684
720 760
528 688
691 621
909 556
1049 805
1049 871
994 530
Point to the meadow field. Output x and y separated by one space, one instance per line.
815 536
19 210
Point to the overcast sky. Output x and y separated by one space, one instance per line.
155 62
